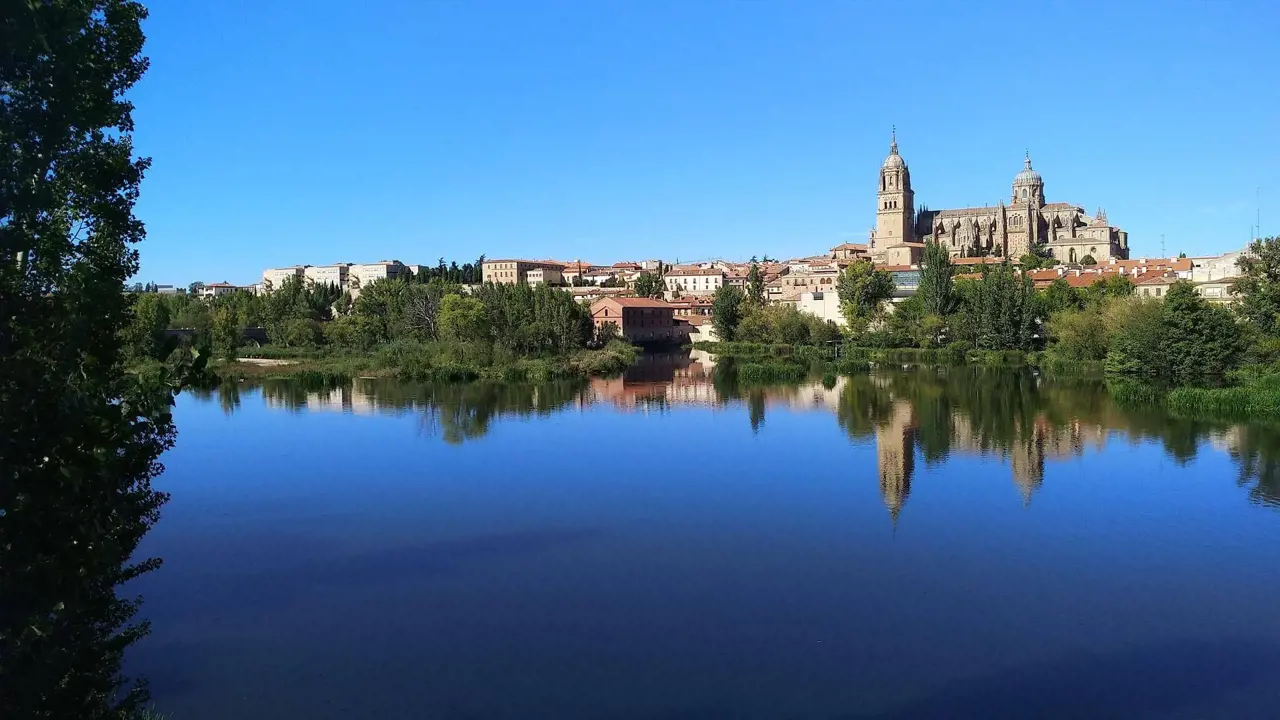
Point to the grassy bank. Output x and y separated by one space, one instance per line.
860 358
428 362
1249 396
1246 396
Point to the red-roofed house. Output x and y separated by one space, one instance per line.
850 252
1154 283
641 320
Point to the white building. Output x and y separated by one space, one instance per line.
544 275
218 289
273 278
686 281
362 274
337 274
822 303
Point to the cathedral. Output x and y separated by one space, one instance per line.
1061 230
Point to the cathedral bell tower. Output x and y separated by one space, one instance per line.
895 211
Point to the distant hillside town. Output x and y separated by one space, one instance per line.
1045 241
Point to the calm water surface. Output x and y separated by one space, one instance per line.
907 544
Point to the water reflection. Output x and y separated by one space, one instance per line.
912 415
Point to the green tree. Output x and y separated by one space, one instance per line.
79 437
863 290
1003 310
1060 296
226 332
936 290
463 319
1198 338
775 324
1088 260
1135 339
755 285
382 303
649 285
301 332
1113 286
726 312
1036 260
144 336
1079 335
1258 288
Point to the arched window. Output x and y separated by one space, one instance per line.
1024 193
1071 256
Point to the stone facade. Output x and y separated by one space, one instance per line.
1027 222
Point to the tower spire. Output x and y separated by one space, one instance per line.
893 140
1026 161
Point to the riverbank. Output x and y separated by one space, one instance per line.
426 362
1250 395
862 357
1246 396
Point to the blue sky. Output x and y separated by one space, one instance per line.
314 132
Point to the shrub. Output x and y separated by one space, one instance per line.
770 372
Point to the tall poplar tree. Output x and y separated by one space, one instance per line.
79 437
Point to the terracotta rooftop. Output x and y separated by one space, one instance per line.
851 246
635 302
1083 281
1155 277
681 272
551 263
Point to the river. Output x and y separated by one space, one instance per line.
909 543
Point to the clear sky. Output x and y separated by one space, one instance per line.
287 132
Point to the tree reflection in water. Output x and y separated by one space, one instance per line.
1018 416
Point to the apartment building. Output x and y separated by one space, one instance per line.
691 305
810 278
273 278
693 281
512 272
546 275
337 274
360 275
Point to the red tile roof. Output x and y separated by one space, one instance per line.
1155 277
679 272
634 302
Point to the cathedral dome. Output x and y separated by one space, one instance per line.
894 161
1027 176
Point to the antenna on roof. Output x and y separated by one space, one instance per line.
1162 245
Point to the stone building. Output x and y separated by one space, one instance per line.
1062 230
531 272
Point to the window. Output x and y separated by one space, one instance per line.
1157 292
1024 193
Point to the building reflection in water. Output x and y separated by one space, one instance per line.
910 415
